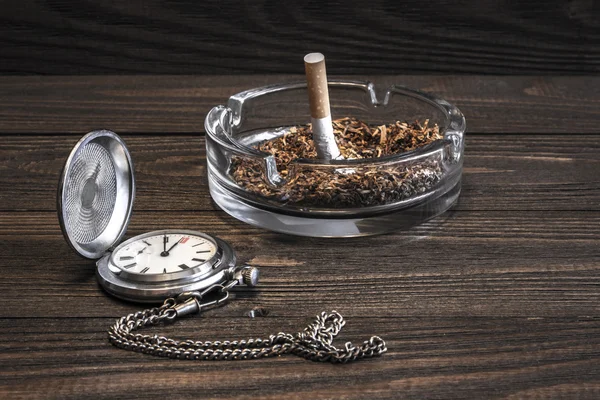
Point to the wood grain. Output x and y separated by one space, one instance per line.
440 357
513 311
515 264
179 104
498 298
359 37
517 172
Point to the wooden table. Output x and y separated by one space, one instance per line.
498 298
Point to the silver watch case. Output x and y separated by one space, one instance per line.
95 199
155 288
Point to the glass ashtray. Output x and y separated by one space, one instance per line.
351 197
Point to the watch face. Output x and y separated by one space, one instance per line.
157 265
161 255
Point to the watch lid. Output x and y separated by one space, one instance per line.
96 193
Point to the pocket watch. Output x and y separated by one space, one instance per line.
186 270
95 200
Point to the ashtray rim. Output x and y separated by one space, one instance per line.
456 122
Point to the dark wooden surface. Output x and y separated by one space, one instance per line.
177 104
498 298
359 37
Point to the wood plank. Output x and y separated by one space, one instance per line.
517 172
501 264
172 104
441 357
498 297
376 37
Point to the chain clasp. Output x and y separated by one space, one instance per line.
191 302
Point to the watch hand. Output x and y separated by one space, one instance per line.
166 252
165 240
171 248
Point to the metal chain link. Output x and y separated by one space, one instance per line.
314 343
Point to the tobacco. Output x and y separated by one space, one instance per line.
333 187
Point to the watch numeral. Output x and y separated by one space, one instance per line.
198 244
126 258
183 266
144 270
203 251
198 259
130 265
184 239
146 243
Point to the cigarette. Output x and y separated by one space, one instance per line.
320 112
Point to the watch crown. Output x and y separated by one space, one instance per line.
250 276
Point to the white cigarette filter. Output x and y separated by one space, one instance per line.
320 112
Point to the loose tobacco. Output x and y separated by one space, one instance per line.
332 187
